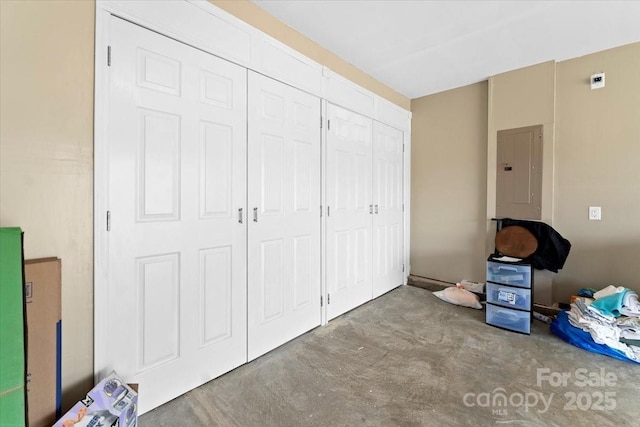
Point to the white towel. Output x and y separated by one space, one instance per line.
592 311
631 334
609 290
601 333
628 322
631 305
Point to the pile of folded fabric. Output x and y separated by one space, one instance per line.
608 324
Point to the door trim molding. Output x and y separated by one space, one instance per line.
100 195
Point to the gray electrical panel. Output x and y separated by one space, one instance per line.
519 173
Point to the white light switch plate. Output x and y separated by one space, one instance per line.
597 81
595 213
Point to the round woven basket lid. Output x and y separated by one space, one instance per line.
516 241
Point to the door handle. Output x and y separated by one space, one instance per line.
376 209
240 215
255 214
370 209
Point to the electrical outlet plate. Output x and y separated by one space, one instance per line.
595 213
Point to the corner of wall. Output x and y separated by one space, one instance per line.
491 167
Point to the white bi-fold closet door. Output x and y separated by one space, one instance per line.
176 281
364 209
349 192
210 264
388 208
284 200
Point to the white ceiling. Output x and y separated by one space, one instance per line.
423 47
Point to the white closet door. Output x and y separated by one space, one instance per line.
284 201
387 208
176 306
349 217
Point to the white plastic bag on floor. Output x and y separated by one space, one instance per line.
475 287
459 296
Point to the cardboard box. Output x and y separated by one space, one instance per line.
12 330
44 308
111 403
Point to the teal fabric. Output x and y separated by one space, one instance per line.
611 304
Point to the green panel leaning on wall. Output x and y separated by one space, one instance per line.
12 330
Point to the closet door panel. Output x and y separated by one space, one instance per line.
176 285
284 228
349 211
387 209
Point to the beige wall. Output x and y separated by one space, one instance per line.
591 158
260 19
598 164
46 146
46 156
520 98
448 184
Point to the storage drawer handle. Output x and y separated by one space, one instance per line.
507 268
255 214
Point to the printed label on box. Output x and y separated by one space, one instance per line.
508 297
28 291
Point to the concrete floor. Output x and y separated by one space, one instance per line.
409 359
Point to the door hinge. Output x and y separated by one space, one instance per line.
108 56
403 207
321 122
329 124
328 299
403 148
328 210
320 211
108 220
321 302
403 268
